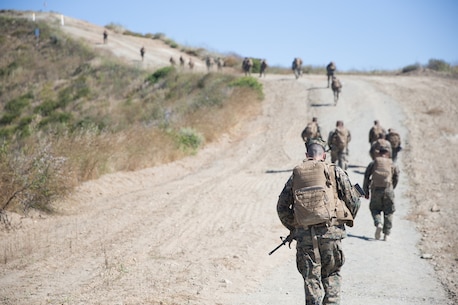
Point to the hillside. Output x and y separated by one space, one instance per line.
197 230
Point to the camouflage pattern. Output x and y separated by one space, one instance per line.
339 154
395 140
336 87
330 70
382 201
382 198
378 145
322 280
296 66
376 132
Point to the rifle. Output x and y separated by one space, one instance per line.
359 190
287 239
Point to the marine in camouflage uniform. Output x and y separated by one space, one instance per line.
395 140
379 144
376 132
319 254
381 197
339 153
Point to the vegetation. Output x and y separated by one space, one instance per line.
70 114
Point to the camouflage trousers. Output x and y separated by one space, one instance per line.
382 201
322 280
340 158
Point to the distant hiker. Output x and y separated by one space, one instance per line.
172 61
296 66
264 65
142 52
395 140
336 86
209 62
330 70
315 205
219 64
191 64
105 37
247 64
380 144
181 61
311 131
37 35
338 140
375 132
380 179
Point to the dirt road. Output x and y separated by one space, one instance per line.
198 231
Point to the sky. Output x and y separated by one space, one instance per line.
363 35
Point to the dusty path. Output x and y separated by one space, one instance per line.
198 231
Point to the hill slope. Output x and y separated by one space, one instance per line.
198 230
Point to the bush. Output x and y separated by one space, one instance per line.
160 74
34 177
411 68
249 82
189 140
438 65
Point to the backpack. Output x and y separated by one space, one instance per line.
394 139
310 131
375 133
382 174
316 199
339 138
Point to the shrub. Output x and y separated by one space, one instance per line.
189 140
411 68
160 74
249 82
438 65
35 177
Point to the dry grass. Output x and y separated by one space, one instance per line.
62 101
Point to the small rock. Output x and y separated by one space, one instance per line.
435 208
426 256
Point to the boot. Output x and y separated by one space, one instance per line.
378 231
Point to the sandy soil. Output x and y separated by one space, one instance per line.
197 231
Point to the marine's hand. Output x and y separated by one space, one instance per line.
366 196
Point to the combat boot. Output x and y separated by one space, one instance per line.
386 237
378 231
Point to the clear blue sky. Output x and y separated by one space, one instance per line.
356 34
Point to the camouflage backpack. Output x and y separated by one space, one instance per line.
310 131
316 199
339 138
382 174
394 139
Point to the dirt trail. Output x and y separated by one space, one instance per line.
197 231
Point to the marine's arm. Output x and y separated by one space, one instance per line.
346 191
367 178
395 176
285 205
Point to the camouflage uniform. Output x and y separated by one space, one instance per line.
395 140
339 155
382 198
322 280
330 69
378 145
376 132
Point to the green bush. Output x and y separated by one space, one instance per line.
248 82
411 68
189 140
438 65
160 74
